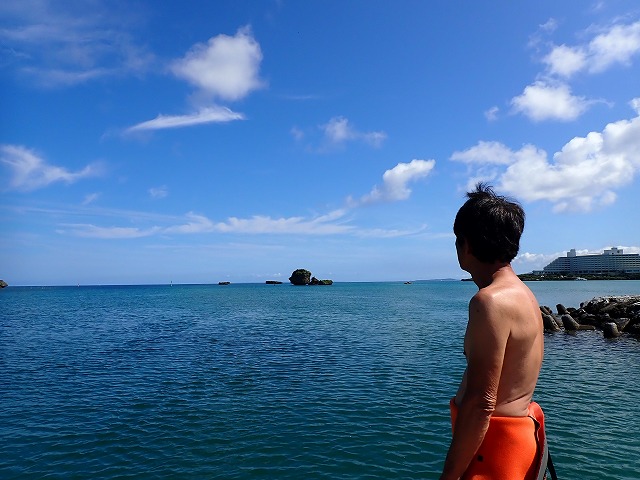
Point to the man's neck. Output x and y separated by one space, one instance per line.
484 274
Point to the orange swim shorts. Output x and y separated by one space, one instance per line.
512 447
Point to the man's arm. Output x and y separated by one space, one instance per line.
485 342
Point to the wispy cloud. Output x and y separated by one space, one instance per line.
29 171
395 182
390 233
583 175
61 44
338 131
93 231
158 192
205 115
297 133
491 114
192 223
335 222
90 198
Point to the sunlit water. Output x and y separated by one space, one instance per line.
275 381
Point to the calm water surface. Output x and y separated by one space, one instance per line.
275 381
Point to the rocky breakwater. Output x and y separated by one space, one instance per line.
613 315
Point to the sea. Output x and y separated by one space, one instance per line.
256 381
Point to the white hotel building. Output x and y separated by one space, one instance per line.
611 261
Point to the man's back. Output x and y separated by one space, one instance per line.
505 313
516 307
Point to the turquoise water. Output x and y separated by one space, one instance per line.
275 381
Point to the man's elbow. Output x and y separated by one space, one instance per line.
483 405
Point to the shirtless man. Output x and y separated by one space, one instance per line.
503 343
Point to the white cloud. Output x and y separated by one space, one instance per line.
338 131
225 67
213 114
616 45
30 171
543 101
628 249
375 139
258 224
195 224
485 153
584 174
565 61
158 192
536 261
395 182
492 113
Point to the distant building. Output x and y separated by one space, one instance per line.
612 261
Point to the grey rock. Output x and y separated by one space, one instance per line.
610 330
549 323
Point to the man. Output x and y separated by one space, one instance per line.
494 434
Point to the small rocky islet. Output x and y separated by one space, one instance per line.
303 277
613 315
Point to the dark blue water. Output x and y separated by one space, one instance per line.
275 381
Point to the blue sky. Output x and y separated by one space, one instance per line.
196 142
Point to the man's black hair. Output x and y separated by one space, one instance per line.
491 224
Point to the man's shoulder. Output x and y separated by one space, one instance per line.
487 296
497 299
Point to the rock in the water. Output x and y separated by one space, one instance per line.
588 319
610 330
545 309
300 277
569 323
622 323
315 281
273 282
549 323
561 309
3 284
